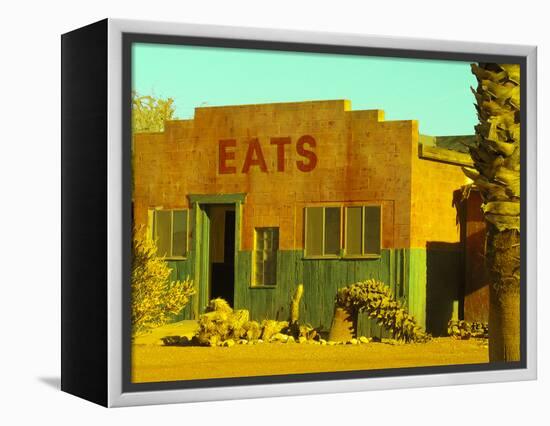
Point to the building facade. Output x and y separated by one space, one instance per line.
251 200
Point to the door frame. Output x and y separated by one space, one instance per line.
201 242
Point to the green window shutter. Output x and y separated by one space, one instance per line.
354 231
372 229
314 231
179 233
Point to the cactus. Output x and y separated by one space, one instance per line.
377 301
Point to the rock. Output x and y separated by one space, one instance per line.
331 343
353 341
302 339
363 339
280 337
259 341
322 342
228 343
218 305
290 339
242 342
253 330
272 327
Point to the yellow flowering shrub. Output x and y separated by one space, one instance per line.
155 298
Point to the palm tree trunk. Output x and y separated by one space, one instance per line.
503 251
496 173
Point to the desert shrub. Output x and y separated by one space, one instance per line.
377 301
155 298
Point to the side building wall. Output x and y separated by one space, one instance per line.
476 290
437 252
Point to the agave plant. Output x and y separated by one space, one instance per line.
496 173
377 301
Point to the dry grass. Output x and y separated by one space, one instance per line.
154 363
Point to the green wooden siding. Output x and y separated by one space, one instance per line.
414 275
427 282
321 279
416 297
182 269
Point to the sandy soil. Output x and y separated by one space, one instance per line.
153 363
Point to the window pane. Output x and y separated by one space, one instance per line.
275 239
258 268
271 272
179 240
354 218
372 229
332 230
162 231
265 258
314 231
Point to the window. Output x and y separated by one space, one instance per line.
323 231
266 245
363 225
170 232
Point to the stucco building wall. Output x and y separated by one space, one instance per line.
288 156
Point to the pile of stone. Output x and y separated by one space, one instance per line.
289 339
463 330
222 326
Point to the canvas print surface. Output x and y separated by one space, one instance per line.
301 212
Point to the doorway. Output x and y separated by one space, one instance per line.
217 221
222 251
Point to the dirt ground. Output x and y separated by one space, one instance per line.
153 363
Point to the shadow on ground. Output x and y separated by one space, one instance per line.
54 382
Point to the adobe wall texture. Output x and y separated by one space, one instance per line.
290 155
357 157
435 190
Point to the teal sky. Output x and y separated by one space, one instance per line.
436 93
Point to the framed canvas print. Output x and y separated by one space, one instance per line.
251 212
